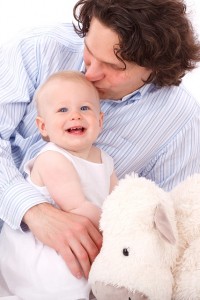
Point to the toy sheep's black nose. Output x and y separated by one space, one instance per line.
108 292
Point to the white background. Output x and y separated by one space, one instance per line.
17 15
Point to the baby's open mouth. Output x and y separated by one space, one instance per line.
78 129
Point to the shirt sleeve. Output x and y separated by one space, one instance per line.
178 159
18 81
24 64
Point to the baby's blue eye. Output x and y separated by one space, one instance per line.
63 109
85 107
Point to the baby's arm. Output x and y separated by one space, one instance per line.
57 173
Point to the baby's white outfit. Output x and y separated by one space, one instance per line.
34 271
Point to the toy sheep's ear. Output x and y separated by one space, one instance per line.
163 225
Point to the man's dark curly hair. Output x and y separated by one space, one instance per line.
156 34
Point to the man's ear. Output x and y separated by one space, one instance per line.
41 126
101 116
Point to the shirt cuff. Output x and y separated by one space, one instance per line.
16 200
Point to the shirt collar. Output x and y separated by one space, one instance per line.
138 94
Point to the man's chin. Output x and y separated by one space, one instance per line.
103 97
106 95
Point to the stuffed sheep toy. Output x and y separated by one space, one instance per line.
151 242
139 247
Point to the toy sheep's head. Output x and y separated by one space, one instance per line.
138 251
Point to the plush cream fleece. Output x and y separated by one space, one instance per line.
186 197
153 267
128 222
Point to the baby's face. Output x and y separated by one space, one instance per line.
71 114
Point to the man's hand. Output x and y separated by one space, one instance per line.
73 236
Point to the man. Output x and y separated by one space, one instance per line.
135 52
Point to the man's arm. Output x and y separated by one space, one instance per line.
16 89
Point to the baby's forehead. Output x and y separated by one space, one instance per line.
77 81
81 86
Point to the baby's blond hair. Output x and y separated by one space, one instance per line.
61 75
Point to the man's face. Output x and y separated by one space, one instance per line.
104 69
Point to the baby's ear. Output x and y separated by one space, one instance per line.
41 126
163 225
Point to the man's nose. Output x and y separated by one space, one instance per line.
94 71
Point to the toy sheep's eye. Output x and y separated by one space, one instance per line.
125 252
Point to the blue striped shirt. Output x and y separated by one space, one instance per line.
153 131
